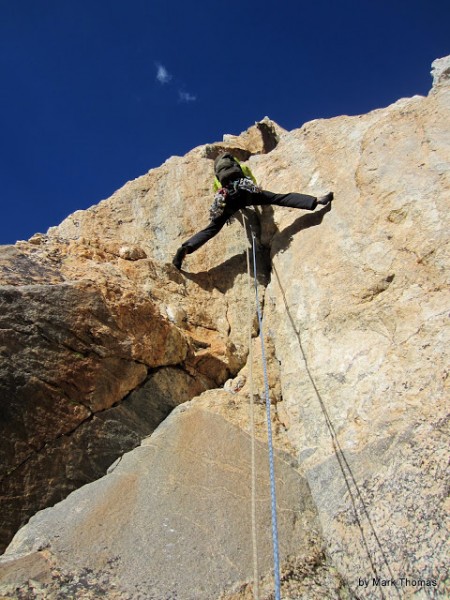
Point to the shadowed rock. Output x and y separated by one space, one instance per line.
171 519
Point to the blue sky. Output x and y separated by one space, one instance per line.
94 93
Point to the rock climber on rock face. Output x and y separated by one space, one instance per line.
236 188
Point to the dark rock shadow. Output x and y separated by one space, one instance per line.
281 240
223 276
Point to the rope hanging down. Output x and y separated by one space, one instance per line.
244 231
276 560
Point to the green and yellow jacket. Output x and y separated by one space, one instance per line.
245 169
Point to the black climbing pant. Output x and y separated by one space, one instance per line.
241 200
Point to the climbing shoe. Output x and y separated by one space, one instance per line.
179 257
324 200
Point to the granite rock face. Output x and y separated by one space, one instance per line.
91 316
100 338
165 508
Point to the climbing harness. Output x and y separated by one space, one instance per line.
244 184
269 436
218 206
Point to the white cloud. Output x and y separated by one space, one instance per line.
162 74
164 77
186 97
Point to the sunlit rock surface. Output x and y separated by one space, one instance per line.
100 338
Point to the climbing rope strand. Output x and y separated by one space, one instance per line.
252 413
341 458
276 559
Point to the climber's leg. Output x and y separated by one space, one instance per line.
200 238
291 200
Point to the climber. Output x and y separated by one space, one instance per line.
236 188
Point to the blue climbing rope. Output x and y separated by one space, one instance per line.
276 559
